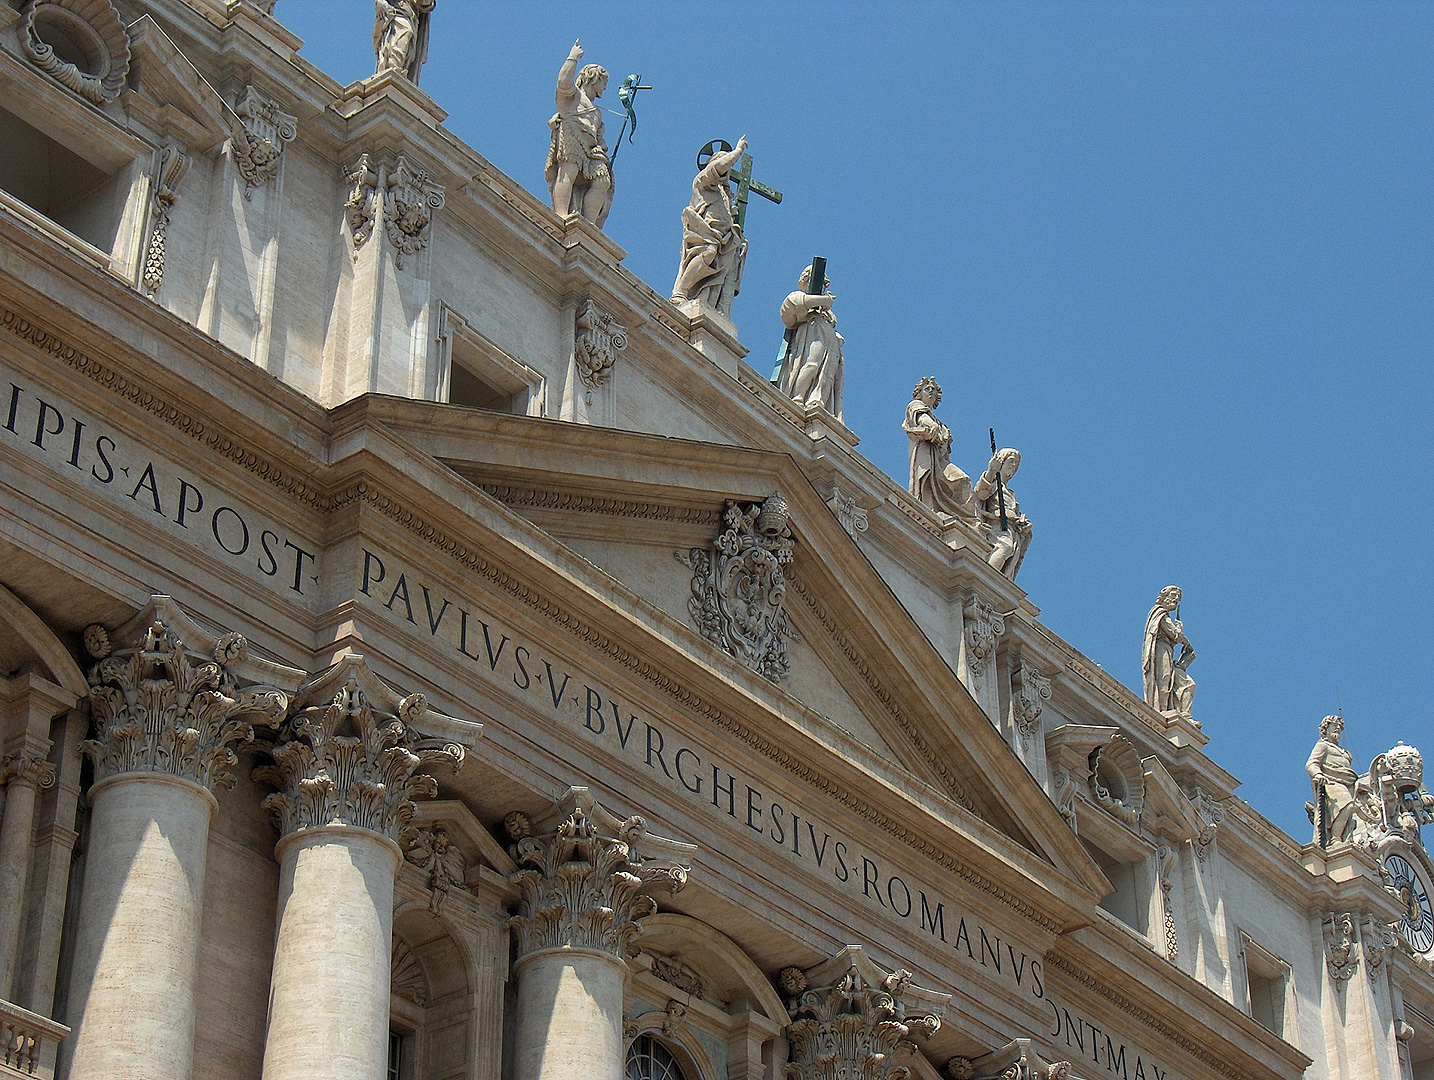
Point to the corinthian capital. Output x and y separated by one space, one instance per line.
851 1018
350 752
176 701
585 873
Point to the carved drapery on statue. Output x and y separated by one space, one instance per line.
586 874
1169 689
853 1021
812 370
579 168
161 707
1017 1060
1382 810
739 587
934 481
999 514
400 36
350 754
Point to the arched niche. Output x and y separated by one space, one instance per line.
27 644
728 975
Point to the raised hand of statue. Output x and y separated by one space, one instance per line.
576 52
741 147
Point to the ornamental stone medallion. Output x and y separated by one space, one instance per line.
739 587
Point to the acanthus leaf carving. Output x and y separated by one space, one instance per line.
586 874
259 138
739 587
850 1019
349 755
1017 1060
598 338
31 770
983 624
159 708
410 197
1029 689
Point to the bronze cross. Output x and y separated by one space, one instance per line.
742 174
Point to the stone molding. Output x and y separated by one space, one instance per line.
307 491
589 504
1017 1060
163 706
1029 688
739 587
983 625
583 876
173 164
27 769
259 138
349 754
597 339
850 514
849 1018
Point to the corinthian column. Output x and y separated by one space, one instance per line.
582 884
851 1018
167 714
346 768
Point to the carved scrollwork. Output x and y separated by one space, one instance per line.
1378 938
598 338
1017 1060
94 38
361 207
848 511
983 626
1117 779
1166 861
1341 951
1029 689
259 138
31 770
671 970
585 875
158 708
409 200
739 588
1211 812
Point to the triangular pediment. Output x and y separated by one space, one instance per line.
864 679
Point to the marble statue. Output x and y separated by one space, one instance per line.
934 480
1168 685
400 36
713 248
579 171
1010 535
812 370
1334 780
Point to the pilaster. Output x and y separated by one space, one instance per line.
982 627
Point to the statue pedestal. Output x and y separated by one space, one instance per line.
713 335
821 424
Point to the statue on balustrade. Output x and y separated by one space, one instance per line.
811 372
1333 779
579 171
713 247
400 36
1169 689
1002 522
934 481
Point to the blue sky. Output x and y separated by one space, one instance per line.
1181 255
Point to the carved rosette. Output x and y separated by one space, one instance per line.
361 207
852 1020
173 164
1029 689
598 338
585 876
29 770
159 708
983 626
739 588
1341 952
409 200
352 758
432 851
259 138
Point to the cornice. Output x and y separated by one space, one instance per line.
541 499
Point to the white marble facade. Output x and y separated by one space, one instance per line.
384 695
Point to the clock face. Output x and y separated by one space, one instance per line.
1417 922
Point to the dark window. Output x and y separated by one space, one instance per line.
648 1059
395 1056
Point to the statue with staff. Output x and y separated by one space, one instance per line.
1334 783
1001 520
400 36
1169 688
578 170
809 370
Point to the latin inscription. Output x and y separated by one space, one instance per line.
584 704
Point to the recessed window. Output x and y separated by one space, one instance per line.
479 375
1124 903
1267 978
395 1056
648 1059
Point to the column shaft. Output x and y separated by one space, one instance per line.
138 943
328 1005
16 830
570 1016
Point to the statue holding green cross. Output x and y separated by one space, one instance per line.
714 248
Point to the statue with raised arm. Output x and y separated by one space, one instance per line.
713 248
400 36
934 480
1168 686
579 171
1000 517
812 370
1334 780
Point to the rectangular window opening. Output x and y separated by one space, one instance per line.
479 375
1267 979
395 1056
1124 903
